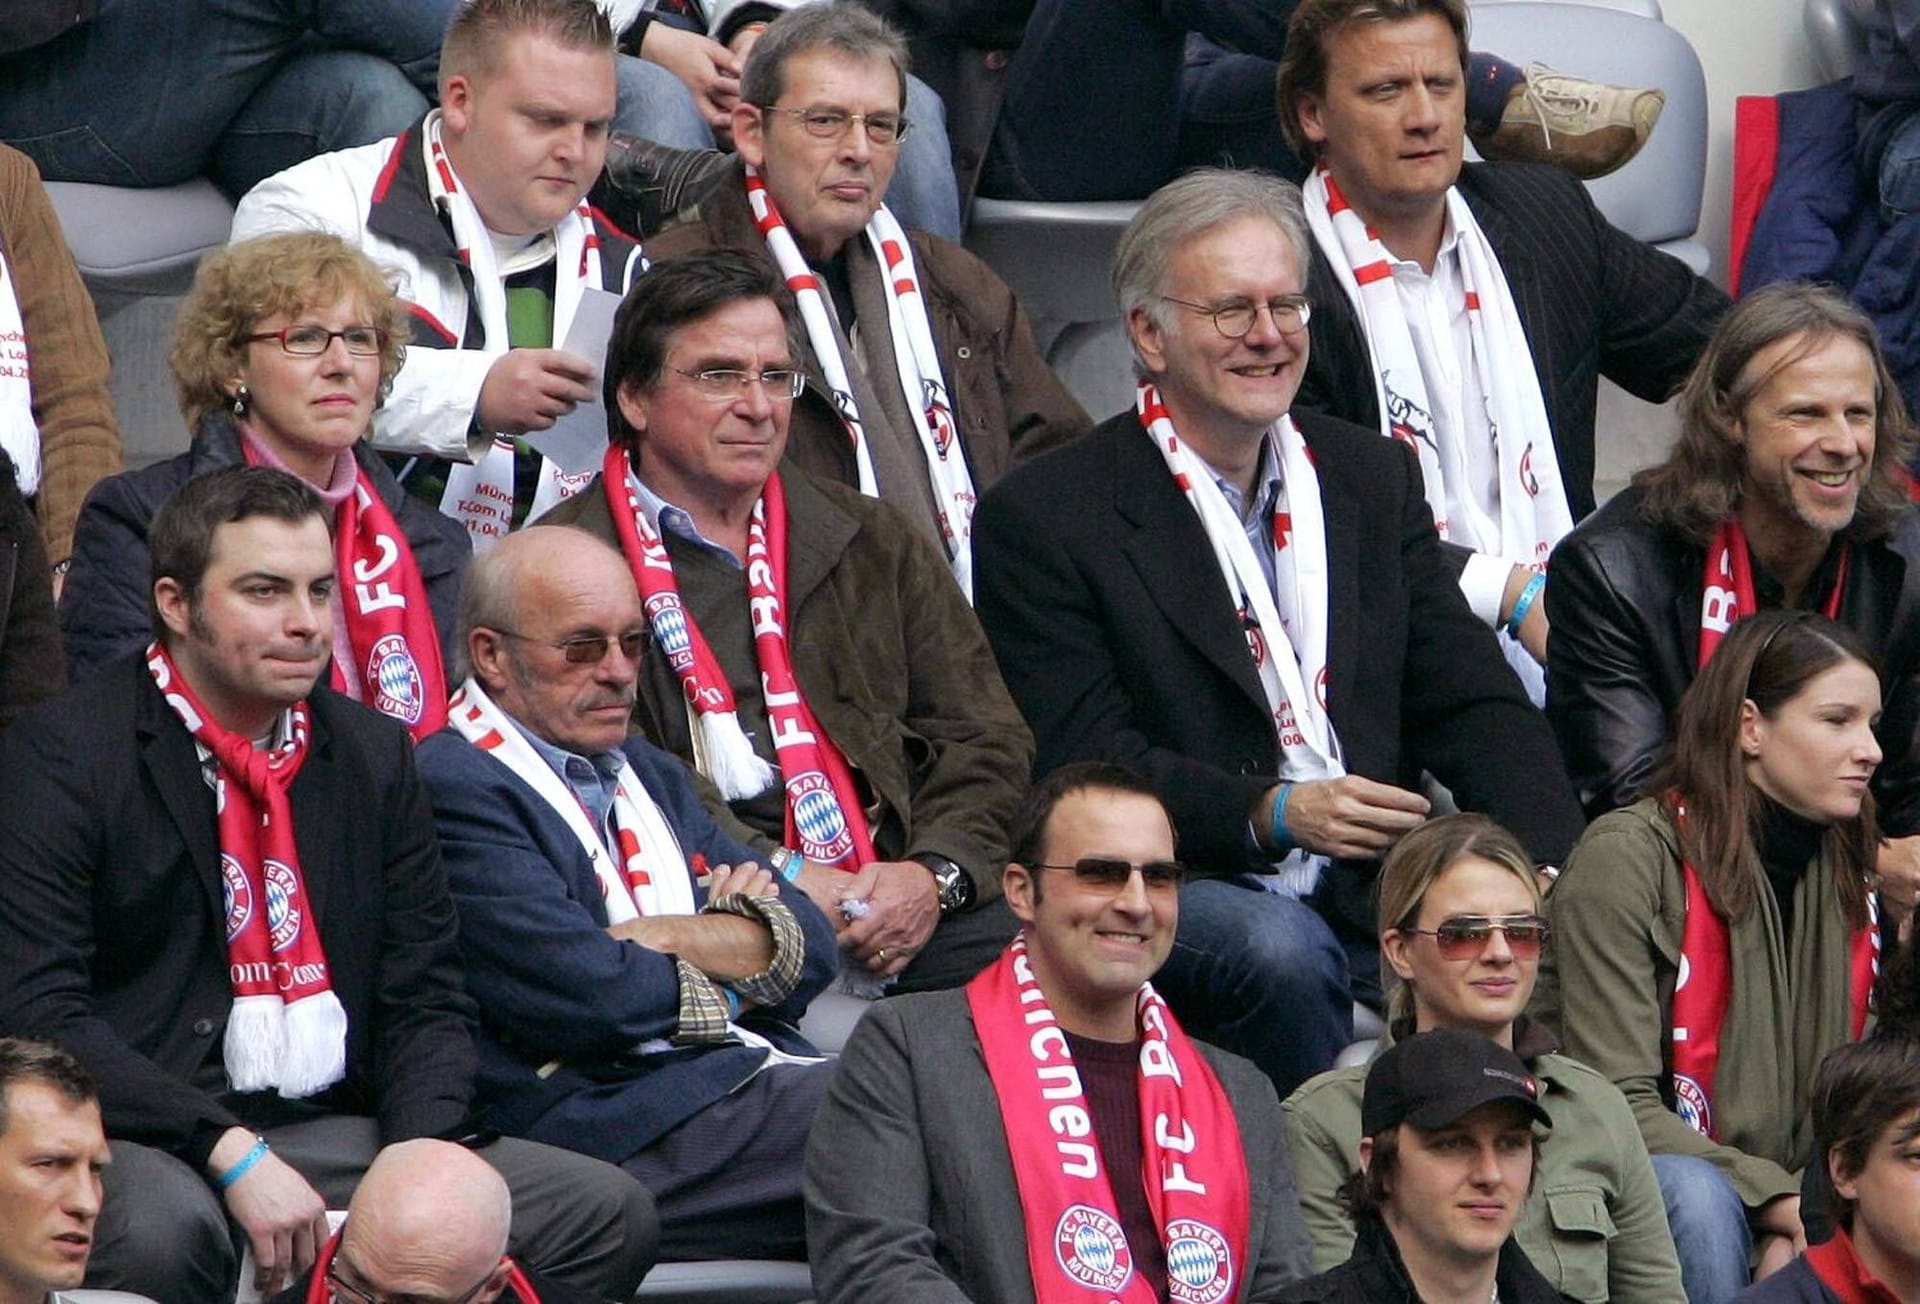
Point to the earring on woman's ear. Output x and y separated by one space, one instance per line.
240 401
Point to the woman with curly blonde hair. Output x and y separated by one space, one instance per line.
283 351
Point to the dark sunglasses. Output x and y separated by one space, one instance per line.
1110 874
588 649
1466 936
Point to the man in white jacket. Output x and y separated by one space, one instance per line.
478 212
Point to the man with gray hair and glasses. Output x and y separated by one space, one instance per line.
1251 607
924 383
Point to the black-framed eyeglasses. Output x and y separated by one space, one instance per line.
1465 936
586 649
883 129
1110 874
726 384
1290 312
312 341
344 1292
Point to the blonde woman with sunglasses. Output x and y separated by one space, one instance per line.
1462 930
1714 941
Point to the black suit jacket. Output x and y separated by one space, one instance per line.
1592 300
113 941
1120 641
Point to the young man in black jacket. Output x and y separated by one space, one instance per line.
1447 1159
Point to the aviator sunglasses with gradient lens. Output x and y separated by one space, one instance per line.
1464 937
1109 874
587 649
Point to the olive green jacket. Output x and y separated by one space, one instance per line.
1607 986
1594 1225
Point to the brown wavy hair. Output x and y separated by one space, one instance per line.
244 284
1698 486
1767 659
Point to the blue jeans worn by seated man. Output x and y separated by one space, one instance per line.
1159 102
154 92
1709 1226
1261 975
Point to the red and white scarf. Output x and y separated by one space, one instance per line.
480 494
1289 647
915 358
651 876
19 432
287 1031
825 821
397 668
1193 1166
1705 990
1532 499
1726 591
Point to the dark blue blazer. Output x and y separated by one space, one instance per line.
552 984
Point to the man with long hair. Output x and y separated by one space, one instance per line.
1787 488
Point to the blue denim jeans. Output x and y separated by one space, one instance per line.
1174 84
1896 165
1261 975
1709 1226
155 92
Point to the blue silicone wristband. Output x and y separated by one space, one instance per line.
788 864
1524 603
245 1166
1282 840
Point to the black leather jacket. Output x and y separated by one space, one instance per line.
1623 600
1375 1275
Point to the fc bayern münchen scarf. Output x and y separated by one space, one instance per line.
19 432
1289 648
396 649
1726 591
287 1031
1705 989
824 819
1193 1165
480 494
650 877
915 358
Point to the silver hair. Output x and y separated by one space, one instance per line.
1185 209
845 28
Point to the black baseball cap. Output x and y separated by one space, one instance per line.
1435 1079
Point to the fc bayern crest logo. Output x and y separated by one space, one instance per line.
1690 1102
1092 1249
817 817
237 895
283 905
670 628
398 690
1199 1265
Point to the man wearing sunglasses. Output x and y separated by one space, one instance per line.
923 379
631 1007
224 898
478 213
1250 605
1050 1131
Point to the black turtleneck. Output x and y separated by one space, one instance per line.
1788 844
